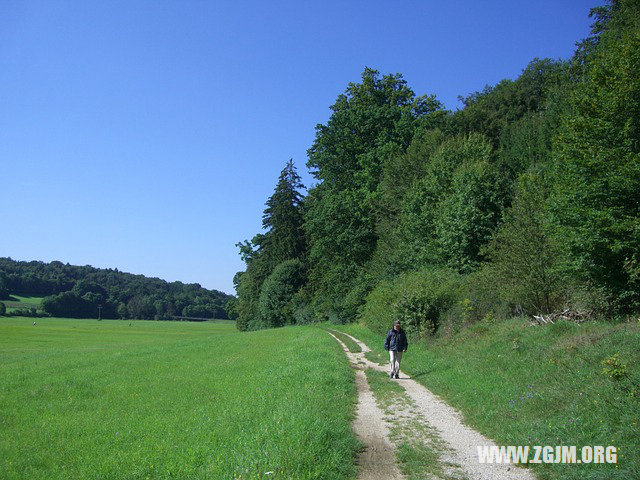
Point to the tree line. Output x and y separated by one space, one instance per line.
524 201
85 291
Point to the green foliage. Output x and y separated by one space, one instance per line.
529 191
491 110
75 291
371 121
122 310
525 144
449 214
284 240
467 217
614 368
4 289
283 217
523 255
417 299
275 307
400 172
595 207
3 308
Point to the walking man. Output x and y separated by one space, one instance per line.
396 344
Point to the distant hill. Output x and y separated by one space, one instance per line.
83 291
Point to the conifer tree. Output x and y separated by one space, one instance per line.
283 216
283 240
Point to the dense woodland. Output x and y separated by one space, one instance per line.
79 292
524 201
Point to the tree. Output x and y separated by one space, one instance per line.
491 110
4 290
277 293
450 213
523 255
140 307
283 240
372 120
283 216
597 151
89 287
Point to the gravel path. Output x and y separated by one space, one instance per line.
377 460
461 440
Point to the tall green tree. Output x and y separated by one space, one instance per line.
449 214
595 202
494 108
523 254
370 122
283 216
283 240
275 304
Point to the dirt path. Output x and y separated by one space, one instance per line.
459 451
377 460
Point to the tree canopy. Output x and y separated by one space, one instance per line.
78 291
523 201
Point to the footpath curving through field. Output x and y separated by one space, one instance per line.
458 455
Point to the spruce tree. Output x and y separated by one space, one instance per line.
283 217
283 240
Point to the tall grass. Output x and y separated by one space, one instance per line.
88 399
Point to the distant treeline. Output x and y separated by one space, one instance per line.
525 201
84 291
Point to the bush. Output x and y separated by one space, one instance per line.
27 312
484 296
3 309
417 299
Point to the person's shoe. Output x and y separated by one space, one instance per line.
391 376
397 376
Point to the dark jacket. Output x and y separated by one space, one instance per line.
396 341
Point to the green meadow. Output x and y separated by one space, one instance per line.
22 301
142 399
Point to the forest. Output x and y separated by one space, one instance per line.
84 292
525 201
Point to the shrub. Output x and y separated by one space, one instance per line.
417 299
614 368
482 291
3 309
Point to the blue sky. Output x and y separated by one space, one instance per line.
147 135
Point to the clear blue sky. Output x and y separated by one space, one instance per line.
147 135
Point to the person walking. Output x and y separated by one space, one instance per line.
396 344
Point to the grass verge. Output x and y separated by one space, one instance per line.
159 400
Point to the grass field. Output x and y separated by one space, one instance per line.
15 302
544 385
87 399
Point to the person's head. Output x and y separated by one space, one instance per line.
396 325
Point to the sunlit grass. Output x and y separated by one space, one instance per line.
120 399
15 302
